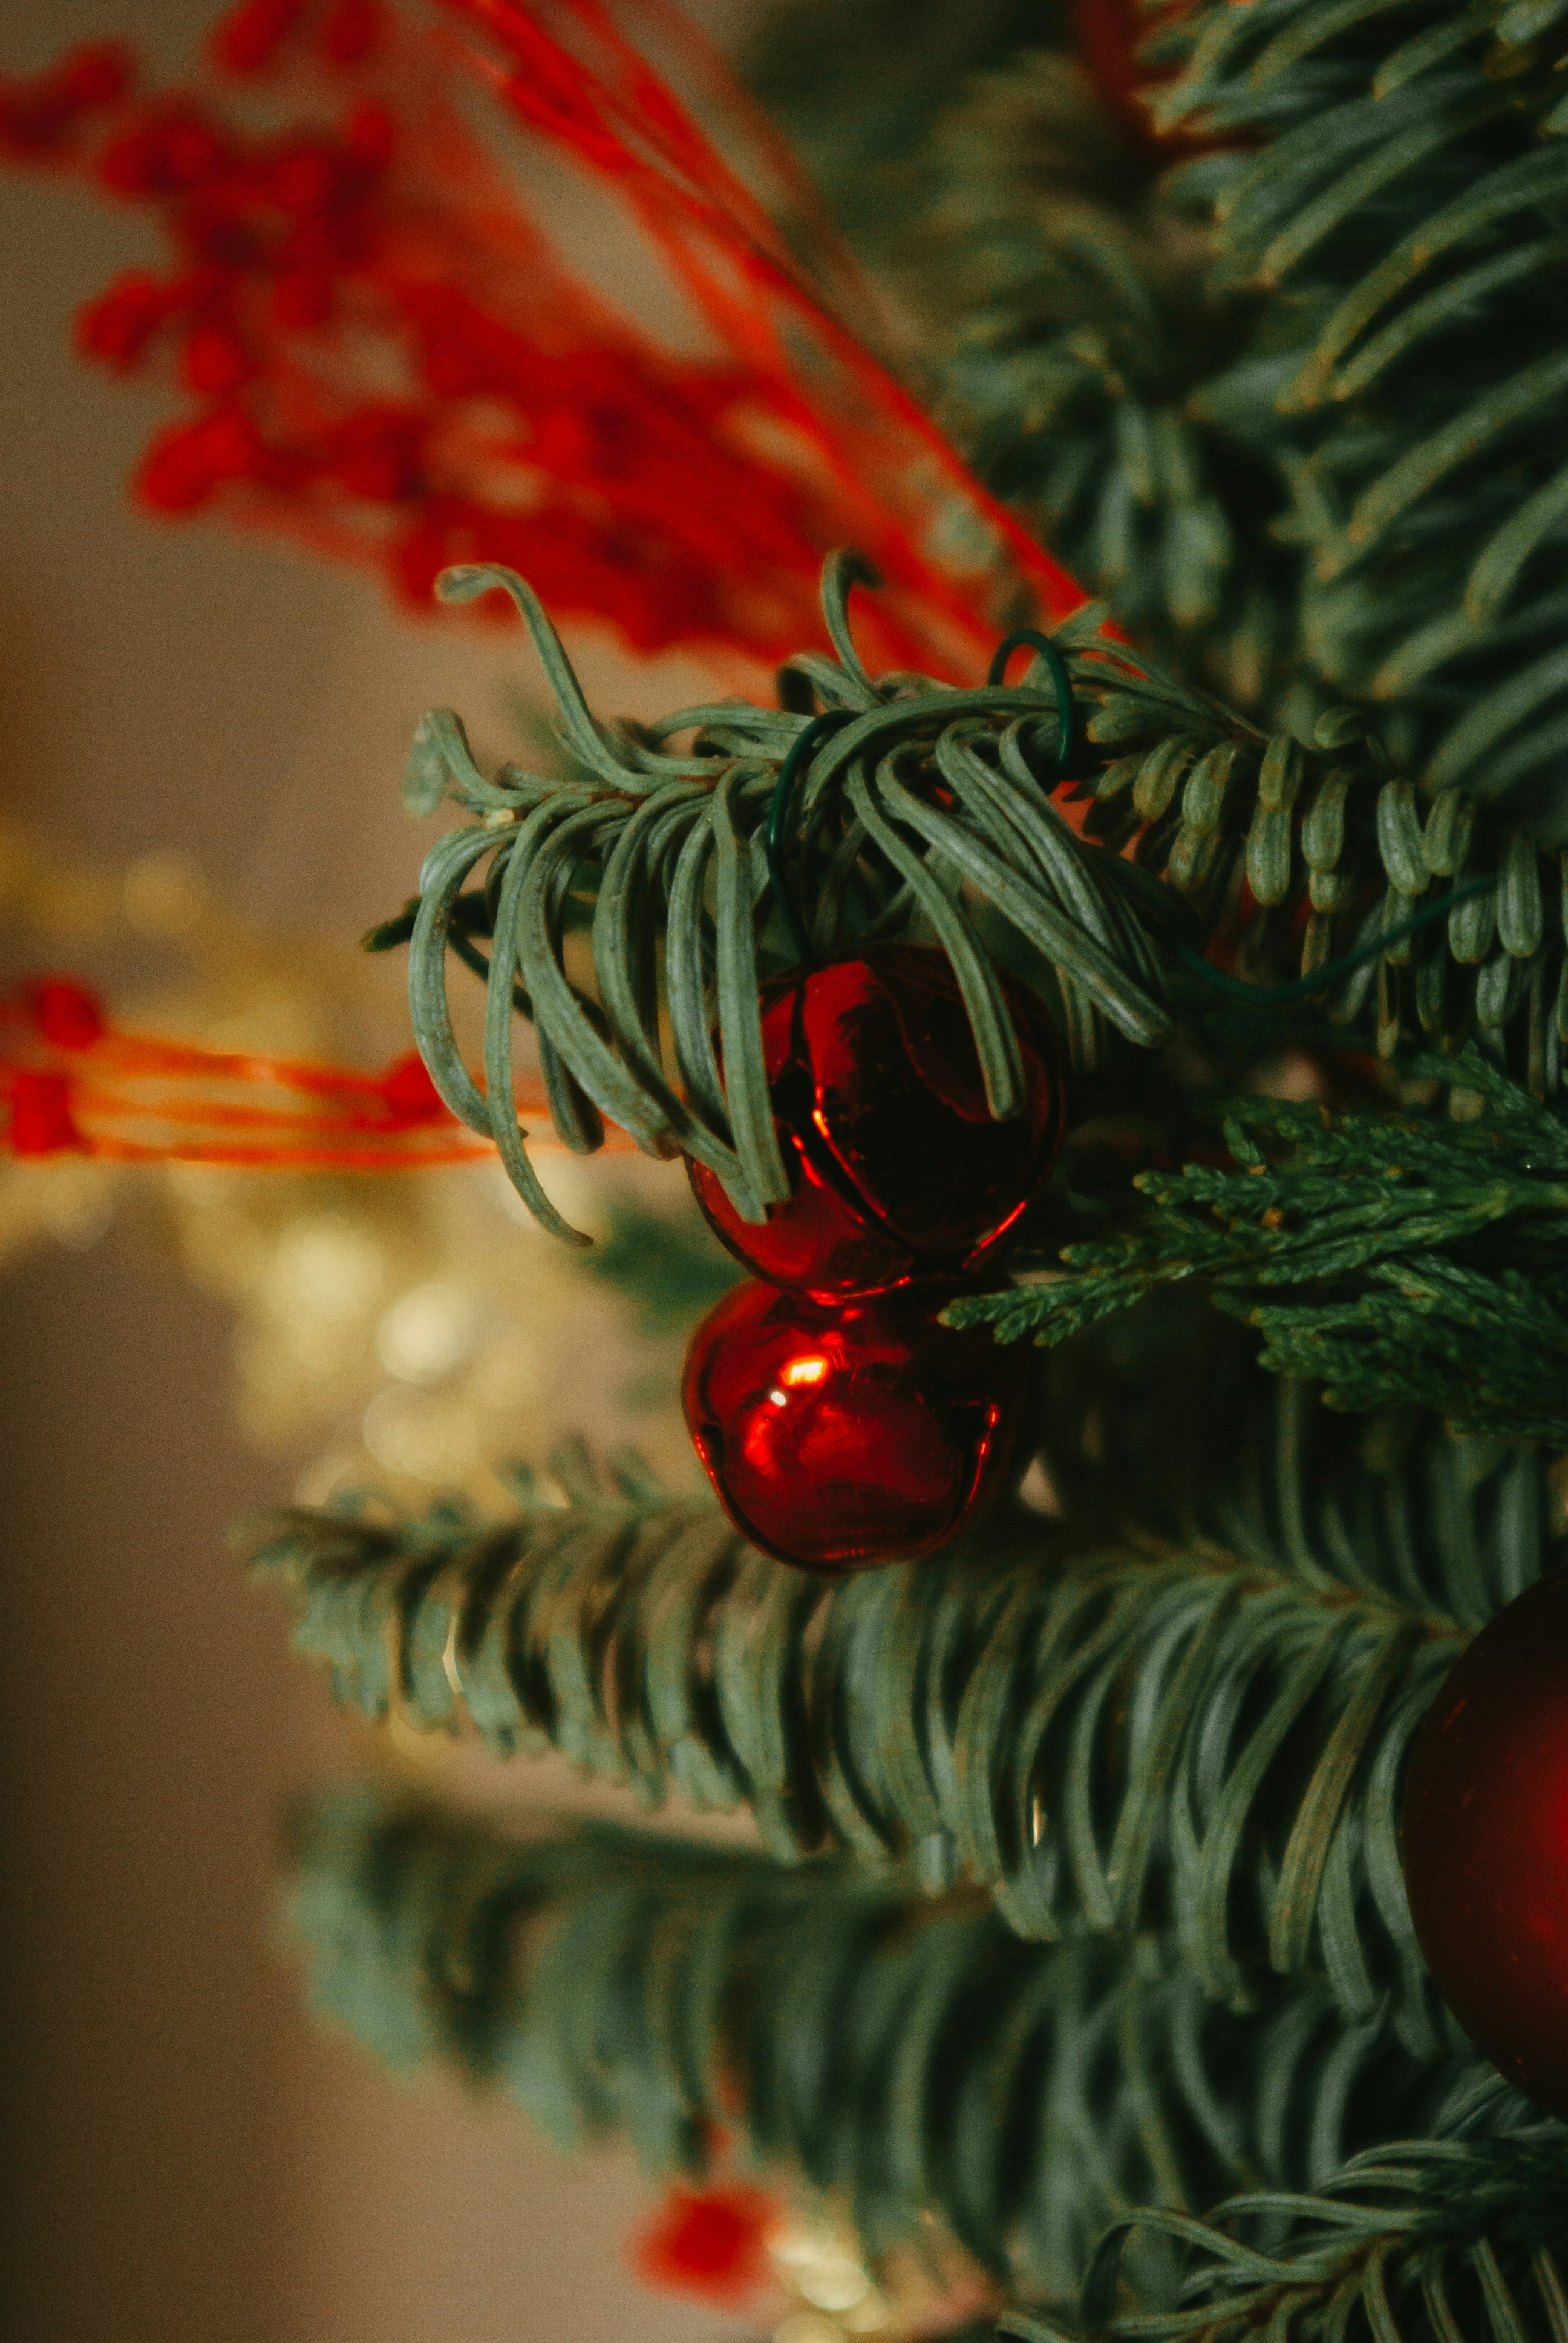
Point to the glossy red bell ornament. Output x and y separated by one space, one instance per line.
1483 1838
896 1166
841 1434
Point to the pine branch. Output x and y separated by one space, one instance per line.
1409 201
1165 1737
1423 2241
646 833
1296 409
1077 333
894 67
1432 1254
1159 1429
1066 313
1317 832
908 2057
932 809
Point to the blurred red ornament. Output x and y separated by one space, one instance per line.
1483 1838
711 2243
842 1434
896 1166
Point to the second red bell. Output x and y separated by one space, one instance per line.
896 1166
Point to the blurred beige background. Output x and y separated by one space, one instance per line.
185 2157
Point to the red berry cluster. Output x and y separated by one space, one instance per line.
710 2243
380 350
841 1423
513 419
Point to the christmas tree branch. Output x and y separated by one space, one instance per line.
1067 315
1160 1428
672 850
1422 2241
901 2054
1407 199
937 806
1430 1253
1319 834
1295 408
1163 1736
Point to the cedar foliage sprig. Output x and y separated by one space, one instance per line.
1429 1256
1167 1735
909 2057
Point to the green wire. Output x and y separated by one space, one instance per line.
802 748
1066 710
1270 996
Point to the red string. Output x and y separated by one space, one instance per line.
70 1081
42 1121
629 129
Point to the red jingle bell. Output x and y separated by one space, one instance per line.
1483 1838
896 1167
843 1435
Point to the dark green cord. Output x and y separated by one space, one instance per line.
1272 996
1066 711
802 748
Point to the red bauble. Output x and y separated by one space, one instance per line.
841 1434
1484 1841
897 1168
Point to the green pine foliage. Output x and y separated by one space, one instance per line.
1073 370
894 66
1294 406
1161 1732
902 2053
1409 204
1177 1715
1417 2242
931 811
